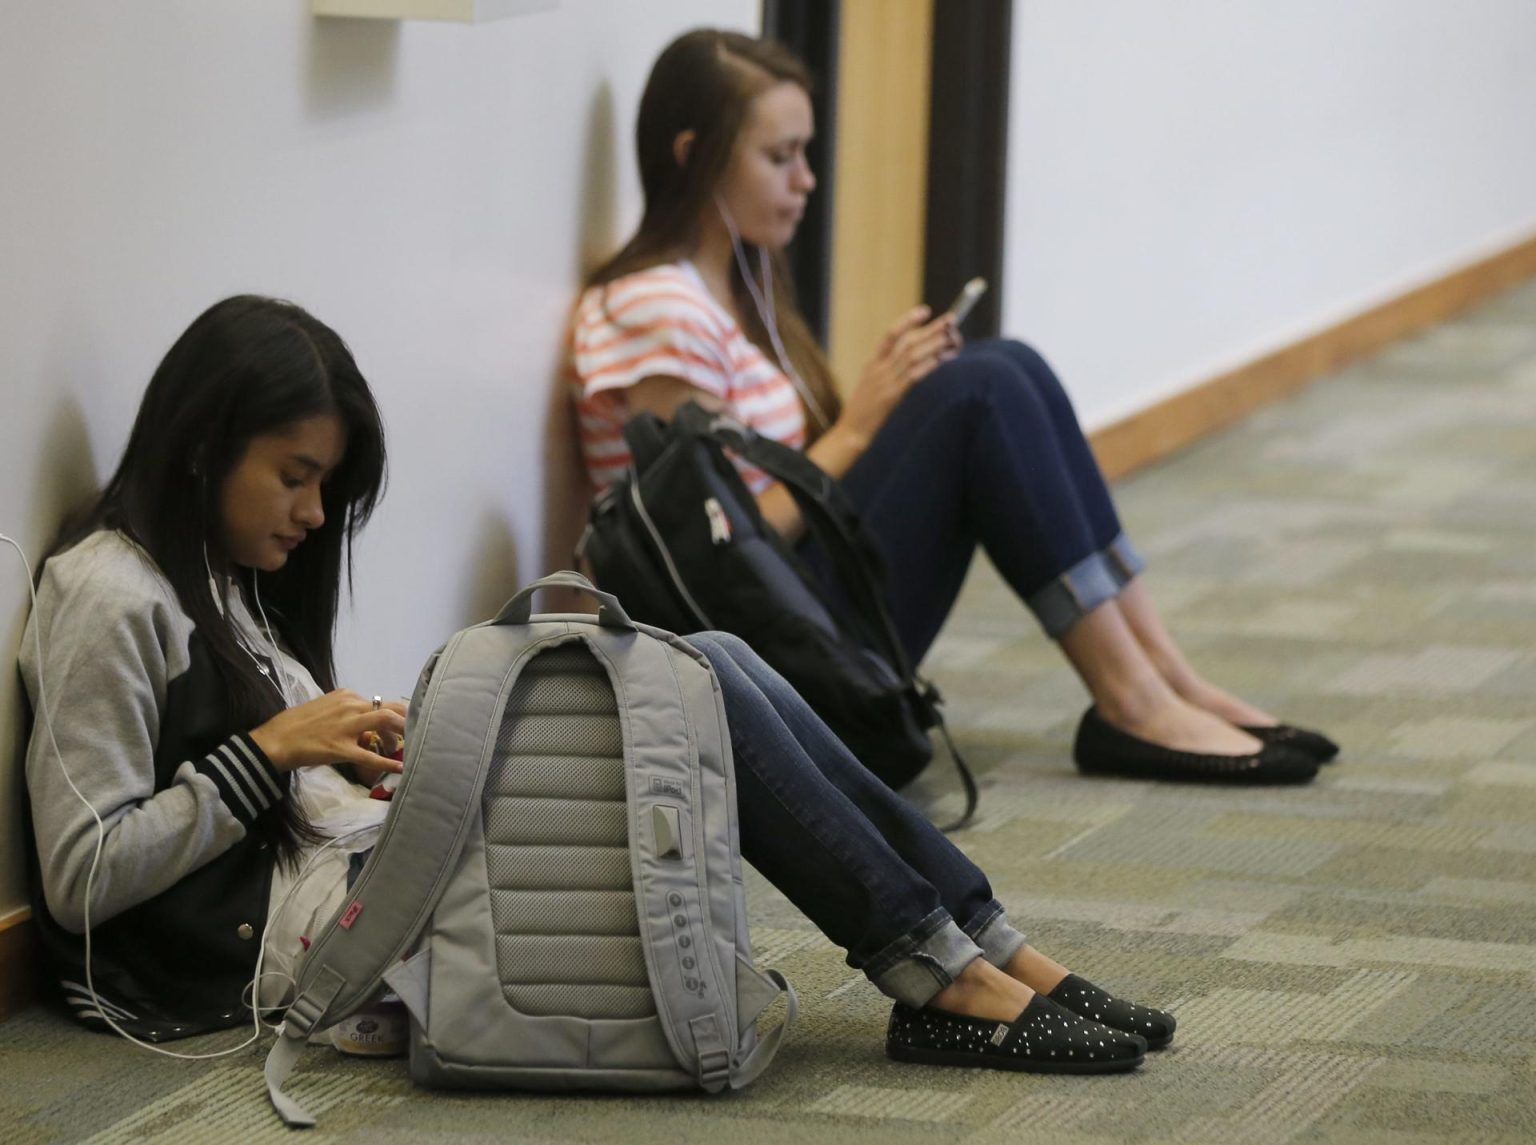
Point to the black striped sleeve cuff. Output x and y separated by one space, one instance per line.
245 777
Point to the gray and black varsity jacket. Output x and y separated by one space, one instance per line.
140 724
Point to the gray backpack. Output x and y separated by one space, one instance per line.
556 894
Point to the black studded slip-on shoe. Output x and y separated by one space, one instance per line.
1086 1000
1312 743
1045 1038
1103 749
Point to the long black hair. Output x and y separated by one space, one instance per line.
248 366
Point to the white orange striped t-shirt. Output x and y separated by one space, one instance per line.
663 322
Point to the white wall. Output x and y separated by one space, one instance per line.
1193 183
429 190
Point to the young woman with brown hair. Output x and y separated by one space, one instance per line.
941 447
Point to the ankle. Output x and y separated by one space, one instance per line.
1186 685
984 993
1133 704
1035 970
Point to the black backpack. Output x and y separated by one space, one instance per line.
679 539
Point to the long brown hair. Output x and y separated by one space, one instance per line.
704 82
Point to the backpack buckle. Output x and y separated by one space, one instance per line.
714 1069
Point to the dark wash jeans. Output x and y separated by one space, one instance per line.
874 875
987 451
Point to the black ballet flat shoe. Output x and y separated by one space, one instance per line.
1086 1000
1045 1038
1304 740
1103 749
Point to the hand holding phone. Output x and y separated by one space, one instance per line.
966 300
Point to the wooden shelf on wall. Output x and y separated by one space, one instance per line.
457 11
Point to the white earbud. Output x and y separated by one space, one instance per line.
102 1010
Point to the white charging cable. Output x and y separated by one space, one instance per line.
254 986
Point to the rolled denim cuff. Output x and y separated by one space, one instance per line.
924 961
1075 593
994 934
1125 560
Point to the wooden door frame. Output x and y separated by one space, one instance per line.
967 150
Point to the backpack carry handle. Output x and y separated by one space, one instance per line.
519 609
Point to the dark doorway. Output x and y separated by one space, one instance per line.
967 150
967 154
810 28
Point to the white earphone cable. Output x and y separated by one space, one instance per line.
274 673
253 987
280 682
762 299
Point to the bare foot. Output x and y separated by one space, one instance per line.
1178 724
984 991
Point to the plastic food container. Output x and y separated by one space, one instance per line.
378 1029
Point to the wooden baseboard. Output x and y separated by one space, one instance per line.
1208 406
18 962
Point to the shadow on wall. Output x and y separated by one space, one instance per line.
566 489
351 65
494 568
66 478
600 182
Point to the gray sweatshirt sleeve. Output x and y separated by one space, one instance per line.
113 636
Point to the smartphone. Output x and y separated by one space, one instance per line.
966 300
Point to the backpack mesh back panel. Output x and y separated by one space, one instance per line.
559 823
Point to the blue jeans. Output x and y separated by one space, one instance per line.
987 451
874 875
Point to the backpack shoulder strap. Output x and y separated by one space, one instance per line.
659 694
835 524
828 514
646 436
756 989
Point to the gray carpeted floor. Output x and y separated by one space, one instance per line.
1350 962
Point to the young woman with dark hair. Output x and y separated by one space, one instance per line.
180 664
942 448
187 621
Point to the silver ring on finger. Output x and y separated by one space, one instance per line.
378 702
